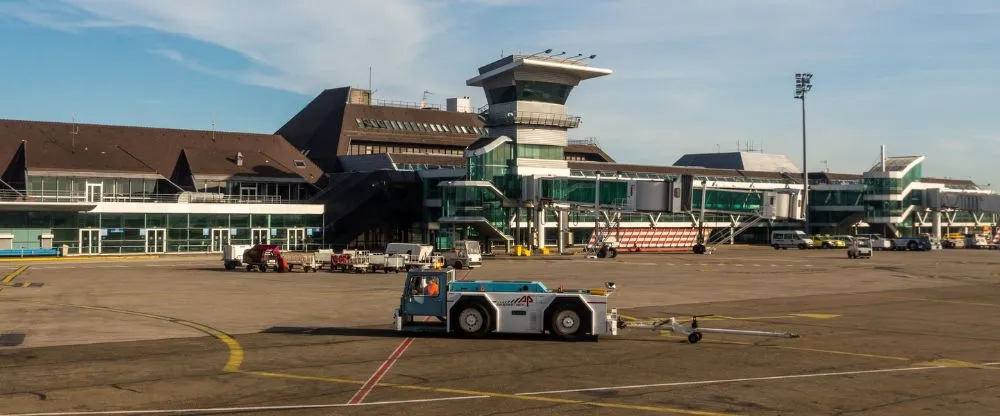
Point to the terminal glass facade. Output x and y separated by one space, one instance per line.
86 233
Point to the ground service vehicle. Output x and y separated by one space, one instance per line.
415 255
878 242
859 248
920 242
232 255
784 239
386 262
263 257
826 241
976 241
307 261
465 254
476 308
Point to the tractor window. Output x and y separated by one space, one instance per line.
423 286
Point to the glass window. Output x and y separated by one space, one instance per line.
502 94
445 128
360 123
546 92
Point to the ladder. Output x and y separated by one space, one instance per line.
607 231
711 245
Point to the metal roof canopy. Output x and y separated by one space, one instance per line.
580 71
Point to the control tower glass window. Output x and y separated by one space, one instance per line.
546 92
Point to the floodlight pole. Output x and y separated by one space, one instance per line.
802 86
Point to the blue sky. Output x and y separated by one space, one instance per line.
916 75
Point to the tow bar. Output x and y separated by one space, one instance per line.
694 332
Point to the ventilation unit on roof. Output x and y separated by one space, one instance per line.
301 164
239 158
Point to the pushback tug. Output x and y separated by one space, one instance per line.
433 301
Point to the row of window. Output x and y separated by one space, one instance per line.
420 127
137 188
373 148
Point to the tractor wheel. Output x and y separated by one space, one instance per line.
567 322
471 320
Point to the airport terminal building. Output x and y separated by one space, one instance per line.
349 170
125 190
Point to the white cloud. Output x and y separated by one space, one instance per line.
301 46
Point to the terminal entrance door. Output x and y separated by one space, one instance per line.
220 238
259 236
95 191
156 240
296 239
90 241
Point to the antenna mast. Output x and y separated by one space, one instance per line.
73 132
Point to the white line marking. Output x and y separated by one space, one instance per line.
247 409
733 380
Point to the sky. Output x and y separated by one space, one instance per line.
918 76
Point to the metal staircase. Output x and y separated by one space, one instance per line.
607 231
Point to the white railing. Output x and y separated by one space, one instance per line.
184 197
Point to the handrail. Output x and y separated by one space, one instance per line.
184 197
532 117
405 104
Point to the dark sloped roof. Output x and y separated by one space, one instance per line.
830 176
953 182
128 149
589 149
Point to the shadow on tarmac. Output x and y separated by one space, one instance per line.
390 333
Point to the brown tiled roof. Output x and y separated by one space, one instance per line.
127 149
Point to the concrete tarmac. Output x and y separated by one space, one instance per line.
903 333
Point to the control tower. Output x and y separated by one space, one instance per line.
527 103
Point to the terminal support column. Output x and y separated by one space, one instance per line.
937 224
563 229
540 227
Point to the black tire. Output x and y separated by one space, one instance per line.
612 252
776 247
912 245
694 337
698 249
827 245
249 267
803 246
230 265
457 265
471 320
602 253
566 321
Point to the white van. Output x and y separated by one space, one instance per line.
784 239
465 253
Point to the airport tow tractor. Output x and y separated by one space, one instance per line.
433 301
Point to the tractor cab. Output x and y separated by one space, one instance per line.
425 294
